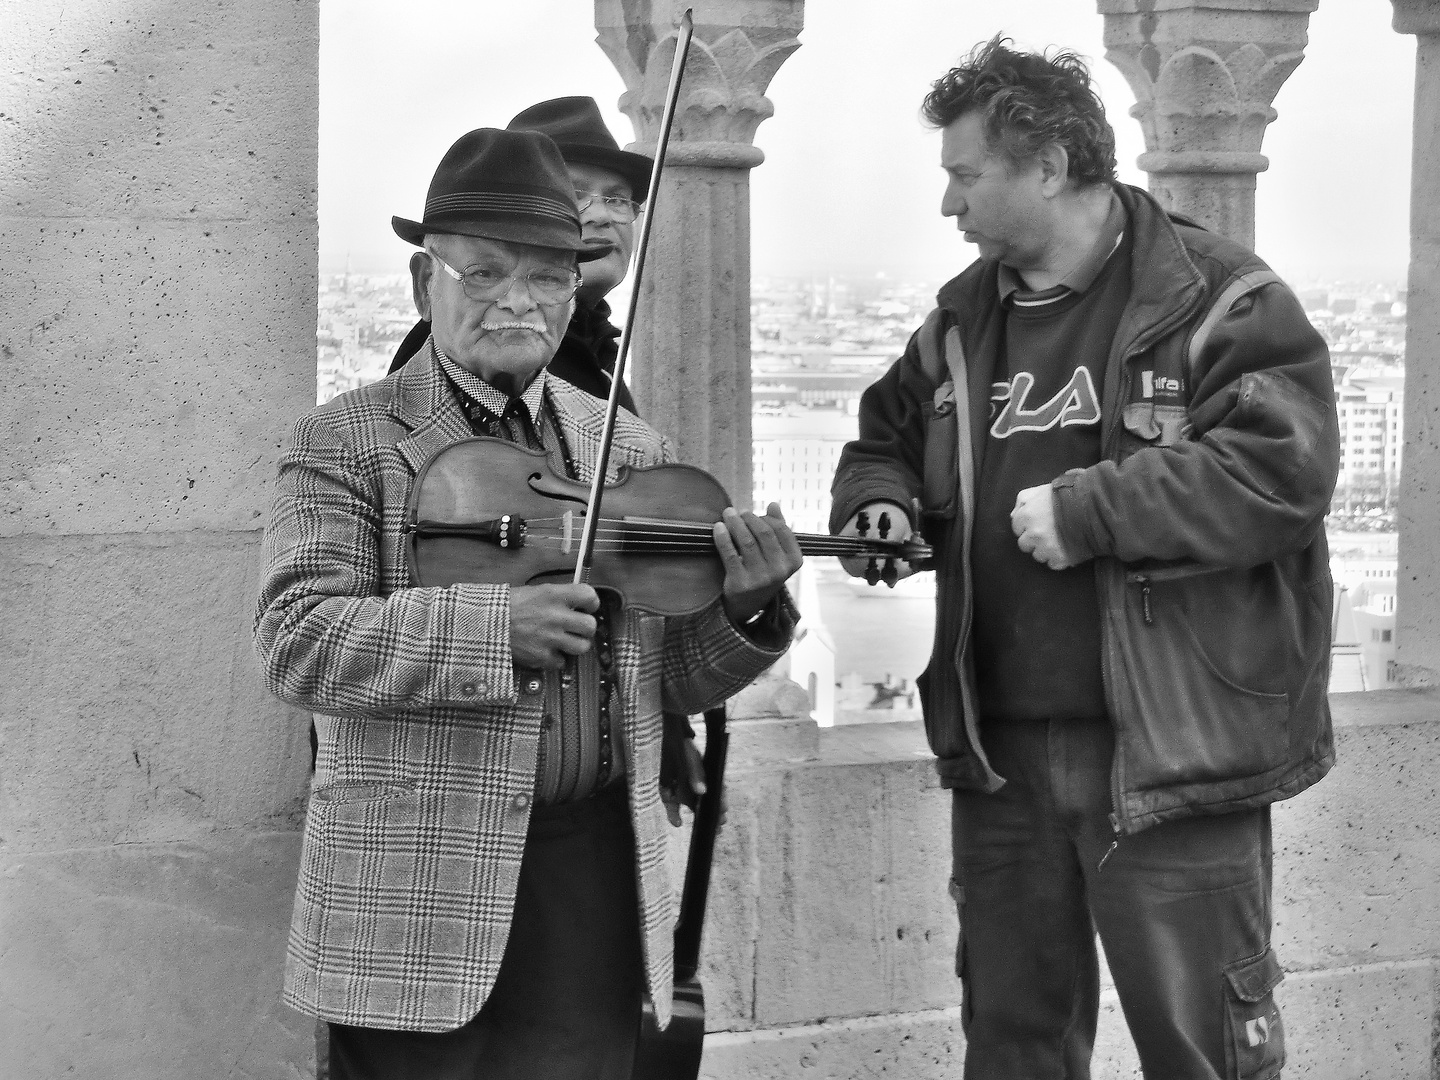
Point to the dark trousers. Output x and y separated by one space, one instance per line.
1182 909
566 1004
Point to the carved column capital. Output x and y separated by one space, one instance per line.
1204 73
738 47
1420 17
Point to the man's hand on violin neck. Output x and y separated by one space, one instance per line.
759 554
866 522
551 622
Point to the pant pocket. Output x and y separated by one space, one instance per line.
1255 1042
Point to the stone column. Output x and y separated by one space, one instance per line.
1204 74
1418 586
691 351
157 332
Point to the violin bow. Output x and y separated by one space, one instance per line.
602 457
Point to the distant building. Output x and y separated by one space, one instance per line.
1362 651
838 390
794 459
1363 634
1371 411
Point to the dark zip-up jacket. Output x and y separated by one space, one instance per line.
1204 521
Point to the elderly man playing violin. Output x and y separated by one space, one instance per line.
610 188
483 888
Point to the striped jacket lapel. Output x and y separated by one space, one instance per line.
425 404
582 420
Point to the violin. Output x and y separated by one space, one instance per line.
488 510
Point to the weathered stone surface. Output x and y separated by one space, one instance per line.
150 961
737 49
1417 584
133 709
169 109
157 258
694 324
830 902
157 396
1204 73
1416 17
916 1046
1348 1024
830 891
1357 857
769 722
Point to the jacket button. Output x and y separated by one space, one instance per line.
533 684
521 800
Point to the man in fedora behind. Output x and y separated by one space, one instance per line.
483 890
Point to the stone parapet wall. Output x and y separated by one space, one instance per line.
829 950
158 269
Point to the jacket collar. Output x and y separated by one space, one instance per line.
1165 284
425 404
581 417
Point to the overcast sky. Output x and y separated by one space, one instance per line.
850 183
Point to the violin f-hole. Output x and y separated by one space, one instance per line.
548 486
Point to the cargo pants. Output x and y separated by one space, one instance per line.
1182 910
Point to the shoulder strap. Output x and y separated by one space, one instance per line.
931 345
1244 285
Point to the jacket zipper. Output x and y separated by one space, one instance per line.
1143 578
1107 676
1142 342
1115 763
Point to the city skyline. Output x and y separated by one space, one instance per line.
817 344
393 96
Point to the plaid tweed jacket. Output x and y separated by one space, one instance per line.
428 733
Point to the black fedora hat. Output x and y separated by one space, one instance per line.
575 125
501 185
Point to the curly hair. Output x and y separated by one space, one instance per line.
1026 102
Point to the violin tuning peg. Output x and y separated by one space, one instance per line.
872 572
862 523
890 574
884 526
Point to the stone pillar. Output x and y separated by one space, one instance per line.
157 332
691 350
1418 587
1204 73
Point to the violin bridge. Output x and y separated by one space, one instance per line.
567 542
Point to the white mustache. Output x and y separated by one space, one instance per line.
540 329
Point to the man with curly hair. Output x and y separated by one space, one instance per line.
1119 431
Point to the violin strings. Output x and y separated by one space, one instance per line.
618 540
684 537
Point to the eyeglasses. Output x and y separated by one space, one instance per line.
620 209
548 285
